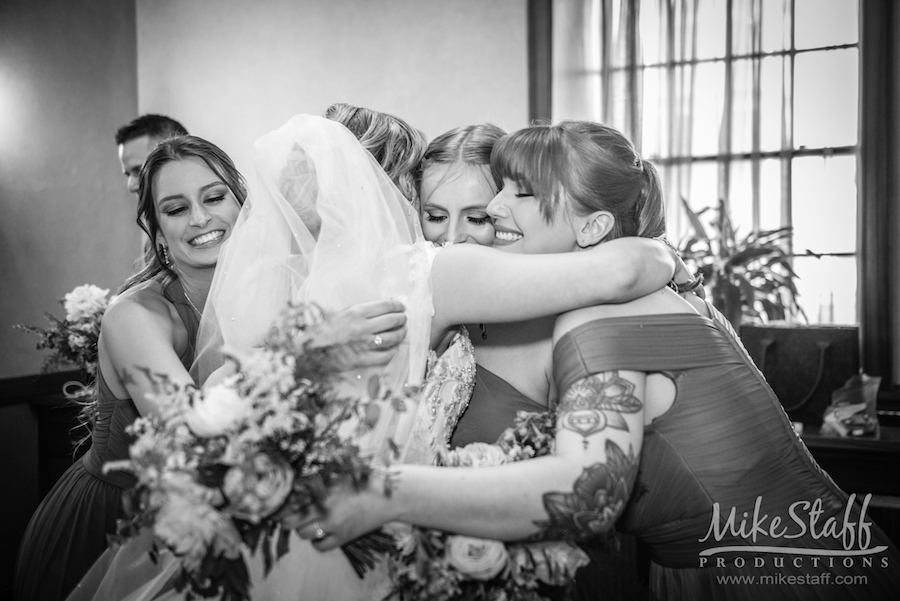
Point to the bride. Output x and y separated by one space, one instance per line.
326 225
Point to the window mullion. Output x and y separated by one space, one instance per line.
787 131
757 108
728 109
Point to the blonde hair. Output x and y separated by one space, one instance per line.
397 146
468 145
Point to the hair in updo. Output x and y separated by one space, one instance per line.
590 166
470 145
397 146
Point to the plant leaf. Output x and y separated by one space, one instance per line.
695 220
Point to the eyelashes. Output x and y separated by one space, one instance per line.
473 220
181 209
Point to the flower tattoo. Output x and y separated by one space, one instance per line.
596 501
594 403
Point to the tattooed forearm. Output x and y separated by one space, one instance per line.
598 498
597 402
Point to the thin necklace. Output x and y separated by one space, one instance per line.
191 303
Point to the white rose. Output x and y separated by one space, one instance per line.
77 341
85 301
476 454
257 487
478 558
215 412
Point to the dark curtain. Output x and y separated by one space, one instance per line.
879 190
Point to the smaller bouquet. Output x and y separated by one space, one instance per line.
435 565
73 340
240 462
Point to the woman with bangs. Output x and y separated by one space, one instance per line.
664 426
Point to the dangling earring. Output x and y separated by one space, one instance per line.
483 331
164 251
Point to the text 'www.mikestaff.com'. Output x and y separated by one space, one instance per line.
825 578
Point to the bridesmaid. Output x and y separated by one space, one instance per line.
189 199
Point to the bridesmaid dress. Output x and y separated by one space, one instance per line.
614 573
725 443
70 528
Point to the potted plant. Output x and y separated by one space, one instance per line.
748 278
751 281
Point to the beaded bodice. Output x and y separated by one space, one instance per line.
445 395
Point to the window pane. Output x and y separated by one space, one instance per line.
651 33
710 29
654 136
772 86
740 198
827 288
775 32
743 27
825 23
770 194
709 91
825 98
704 186
697 184
705 118
824 204
742 115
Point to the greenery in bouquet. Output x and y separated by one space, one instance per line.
73 340
238 463
438 566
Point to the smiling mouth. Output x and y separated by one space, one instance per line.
207 239
507 236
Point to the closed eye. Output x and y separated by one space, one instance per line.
480 220
435 218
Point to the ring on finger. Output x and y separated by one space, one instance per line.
378 340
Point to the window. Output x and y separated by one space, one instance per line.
754 102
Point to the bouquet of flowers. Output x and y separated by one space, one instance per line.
73 340
234 465
435 565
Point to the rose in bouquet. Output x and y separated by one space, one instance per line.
73 340
435 565
238 463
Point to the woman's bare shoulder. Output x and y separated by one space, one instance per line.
659 302
143 301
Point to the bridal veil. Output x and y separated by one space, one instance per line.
324 224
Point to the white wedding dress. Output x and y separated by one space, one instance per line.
325 225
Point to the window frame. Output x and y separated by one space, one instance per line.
878 176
